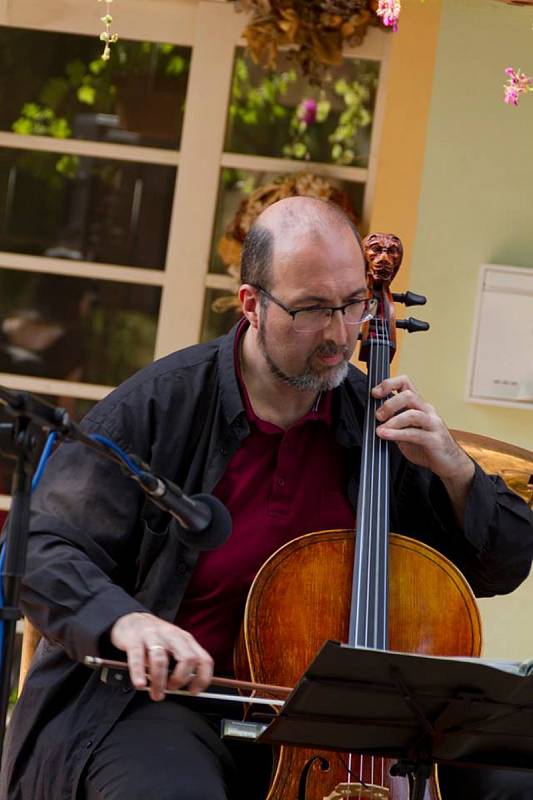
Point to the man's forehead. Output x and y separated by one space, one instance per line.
322 265
302 238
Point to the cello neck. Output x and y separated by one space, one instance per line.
369 609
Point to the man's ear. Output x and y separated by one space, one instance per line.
250 301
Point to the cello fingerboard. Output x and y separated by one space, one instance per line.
368 617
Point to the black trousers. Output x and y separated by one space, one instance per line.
172 751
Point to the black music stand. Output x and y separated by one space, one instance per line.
421 710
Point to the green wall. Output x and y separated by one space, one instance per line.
475 207
475 204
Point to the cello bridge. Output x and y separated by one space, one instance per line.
358 791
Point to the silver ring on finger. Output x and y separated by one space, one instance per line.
156 647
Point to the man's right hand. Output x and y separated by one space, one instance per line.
149 642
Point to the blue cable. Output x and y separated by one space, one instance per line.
47 449
119 452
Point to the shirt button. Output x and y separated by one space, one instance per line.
281 482
182 568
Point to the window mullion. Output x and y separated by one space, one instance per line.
89 147
373 155
218 31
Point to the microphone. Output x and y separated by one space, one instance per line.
205 522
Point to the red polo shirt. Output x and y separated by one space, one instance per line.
279 485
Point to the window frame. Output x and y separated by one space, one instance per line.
213 30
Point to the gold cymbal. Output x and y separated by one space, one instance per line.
513 464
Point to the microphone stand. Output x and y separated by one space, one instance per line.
25 444
27 409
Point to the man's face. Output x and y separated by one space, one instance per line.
383 254
312 271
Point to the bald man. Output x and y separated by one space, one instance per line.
268 419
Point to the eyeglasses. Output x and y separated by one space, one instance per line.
316 318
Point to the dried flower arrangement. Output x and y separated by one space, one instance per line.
301 183
315 30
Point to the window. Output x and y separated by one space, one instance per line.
265 140
117 182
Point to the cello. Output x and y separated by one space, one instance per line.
374 589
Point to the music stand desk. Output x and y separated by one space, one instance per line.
417 709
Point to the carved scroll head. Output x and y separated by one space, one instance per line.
383 253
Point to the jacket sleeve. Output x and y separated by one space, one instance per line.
494 546
84 524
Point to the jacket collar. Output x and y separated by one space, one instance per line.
229 386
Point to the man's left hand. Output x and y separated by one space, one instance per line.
419 432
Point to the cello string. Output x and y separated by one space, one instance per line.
386 515
369 634
370 500
374 379
384 483
379 558
366 521
371 631
357 635
377 518
358 778
375 515
381 515
379 590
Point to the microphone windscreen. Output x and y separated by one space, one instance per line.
218 530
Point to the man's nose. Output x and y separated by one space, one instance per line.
336 328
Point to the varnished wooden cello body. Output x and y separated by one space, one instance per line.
372 590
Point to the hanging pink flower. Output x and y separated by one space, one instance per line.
307 111
518 83
389 11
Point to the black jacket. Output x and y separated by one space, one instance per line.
98 551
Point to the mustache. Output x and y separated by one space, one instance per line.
331 349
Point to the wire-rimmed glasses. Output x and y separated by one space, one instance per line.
315 318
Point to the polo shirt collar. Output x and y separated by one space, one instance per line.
320 411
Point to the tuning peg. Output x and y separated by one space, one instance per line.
409 298
412 325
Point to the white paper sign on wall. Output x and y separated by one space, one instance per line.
501 363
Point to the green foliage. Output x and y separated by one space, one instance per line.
68 166
41 121
86 94
54 92
354 117
129 338
246 182
269 105
256 105
92 84
176 65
